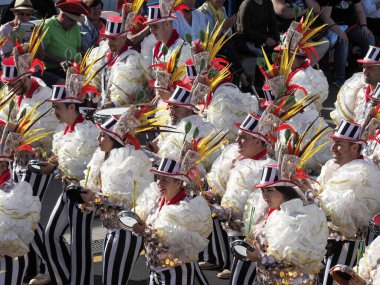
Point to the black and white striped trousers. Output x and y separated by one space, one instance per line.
120 252
12 270
39 183
69 263
185 274
242 272
343 252
218 249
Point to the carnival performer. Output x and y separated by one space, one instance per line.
160 21
292 251
73 145
348 194
367 271
118 171
20 208
356 96
122 77
230 180
176 227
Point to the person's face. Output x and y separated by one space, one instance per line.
23 15
177 113
168 186
19 86
189 3
68 23
95 12
344 152
247 144
217 3
371 73
159 30
62 112
116 44
272 197
105 142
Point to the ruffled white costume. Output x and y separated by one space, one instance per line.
19 215
350 195
146 54
183 228
170 143
48 122
243 176
230 106
184 56
350 99
123 80
148 199
315 82
297 235
118 173
218 176
75 150
369 264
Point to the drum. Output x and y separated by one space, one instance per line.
342 274
73 192
239 249
374 224
102 115
34 166
127 219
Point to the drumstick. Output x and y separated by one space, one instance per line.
358 255
251 218
88 174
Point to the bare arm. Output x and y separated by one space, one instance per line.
285 12
360 14
326 17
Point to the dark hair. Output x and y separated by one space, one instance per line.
359 146
288 192
77 106
94 3
115 143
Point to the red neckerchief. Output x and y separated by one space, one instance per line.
176 199
70 129
258 156
157 48
5 176
112 59
271 210
30 92
368 94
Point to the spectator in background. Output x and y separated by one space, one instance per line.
63 39
19 28
372 9
216 13
93 27
190 21
347 20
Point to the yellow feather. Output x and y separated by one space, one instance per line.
36 138
309 155
267 62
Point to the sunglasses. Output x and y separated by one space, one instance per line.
24 14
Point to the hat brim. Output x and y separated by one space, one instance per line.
254 134
111 134
277 183
164 19
23 8
332 136
6 158
368 62
176 176
116 35
188 106
66 100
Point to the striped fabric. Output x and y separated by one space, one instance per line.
13 269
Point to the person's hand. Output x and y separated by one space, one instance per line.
46 167
366 32
87 195
343 37
356 280
139 227
254 256
303 184
270 42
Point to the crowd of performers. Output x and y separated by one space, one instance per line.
181 164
